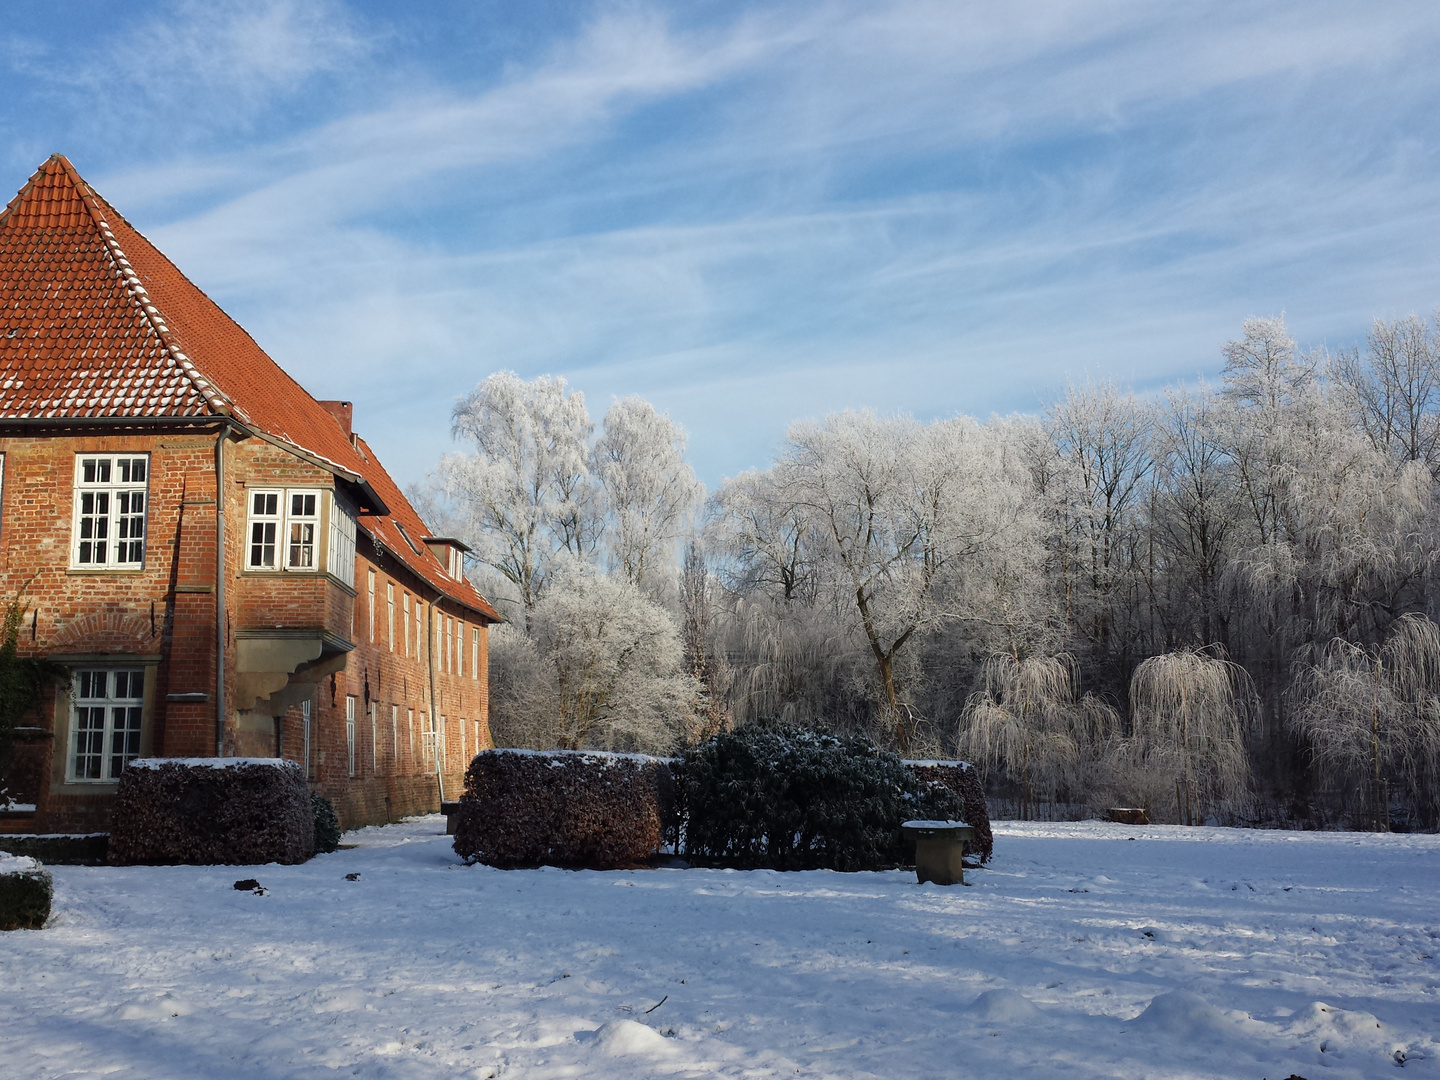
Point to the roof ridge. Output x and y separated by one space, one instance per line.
216 398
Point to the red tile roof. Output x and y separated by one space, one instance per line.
96 322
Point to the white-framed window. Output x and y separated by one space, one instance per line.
405 619
350 731
419 630
304 520
427 740
394 739
449 645
477 735
390 614
475 653
305 731
374 738
282 524
410 733
109 521
341 554
462 740
105 721
460 647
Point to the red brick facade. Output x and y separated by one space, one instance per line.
370 651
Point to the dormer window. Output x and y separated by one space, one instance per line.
450 552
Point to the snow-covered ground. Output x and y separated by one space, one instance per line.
1081 953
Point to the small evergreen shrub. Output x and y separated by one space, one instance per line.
962 778
568 808
205 811
25 893
791 798
327 824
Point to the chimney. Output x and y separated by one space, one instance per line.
344 413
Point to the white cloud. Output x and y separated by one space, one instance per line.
849 204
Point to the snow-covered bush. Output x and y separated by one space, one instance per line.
564 808
791 798
25 893
327 825
202 811
964 780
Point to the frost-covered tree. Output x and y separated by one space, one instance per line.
1026 720
602 667
523 496
1370 716
649 492
1189 711
898 508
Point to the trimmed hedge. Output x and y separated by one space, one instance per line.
570 808
204 811
791 798
26 890
327 825
59 849
961 778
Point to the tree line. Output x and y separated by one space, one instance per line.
1217 602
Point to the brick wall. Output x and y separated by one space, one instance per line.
164 617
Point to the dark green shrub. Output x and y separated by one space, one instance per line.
25 893
789 798
327 825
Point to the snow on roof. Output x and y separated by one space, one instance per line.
96 322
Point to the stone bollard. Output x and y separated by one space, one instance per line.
939 848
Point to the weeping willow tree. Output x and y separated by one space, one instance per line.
1189 712
1026 718
1371 717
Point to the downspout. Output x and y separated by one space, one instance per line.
220 612
435 715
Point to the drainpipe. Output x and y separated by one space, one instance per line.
434 715
220 590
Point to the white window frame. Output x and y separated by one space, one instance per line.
428 742
350 731
462 741
340 552
370 603
389 611
410 731
405 619
110 493
287 545
305 729
394 739
374 738
475 653
104 749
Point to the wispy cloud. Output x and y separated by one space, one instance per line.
758 213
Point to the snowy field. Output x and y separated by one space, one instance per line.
1082 953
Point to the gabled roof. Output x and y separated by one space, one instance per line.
95 323
390 531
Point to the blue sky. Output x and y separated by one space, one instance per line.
751 214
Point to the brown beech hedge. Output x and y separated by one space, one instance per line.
961 778
570 808
203 811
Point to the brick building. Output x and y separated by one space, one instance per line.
218 558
